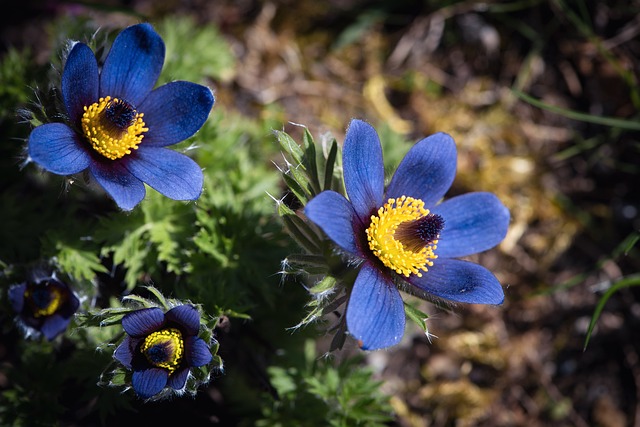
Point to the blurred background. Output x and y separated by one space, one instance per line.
543 100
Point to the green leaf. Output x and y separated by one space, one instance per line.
296 188
82 264
625 282
417 316
302 234
329 166
326 284
576 115
290 146
310 162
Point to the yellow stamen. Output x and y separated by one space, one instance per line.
388 248
43 301
113 127
164 349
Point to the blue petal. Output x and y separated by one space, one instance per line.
363 169
133 64
125 189
143 322
80 82
124 352
427 171
168 172
335 216
196 351
375 314
53 326
473 223
175 111
186 316
460 281
16 296
178 379
55 147
71 305
149 382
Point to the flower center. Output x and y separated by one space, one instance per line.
113 127
404 235
43 300
164 349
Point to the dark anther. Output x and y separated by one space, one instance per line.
419 233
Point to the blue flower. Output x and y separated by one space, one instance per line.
45 305
118 126
161 348
403 235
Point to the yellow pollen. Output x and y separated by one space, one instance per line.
38 303
164 349
109 135
390 250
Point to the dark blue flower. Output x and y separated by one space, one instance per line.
44 305
118 126
161 348
403 235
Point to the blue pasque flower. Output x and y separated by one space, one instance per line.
161 348
402 235
44 306
118 126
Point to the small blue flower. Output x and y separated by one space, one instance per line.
404 235
45 305
161 348
118 126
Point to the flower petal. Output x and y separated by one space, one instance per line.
363 169
149 382
71 305
171 173
178 379
53 326
55 147
124 352
142 322
473 223
186 316
125 189
80 82
133 64
460 281
427 171
16 296
196 351
375 314
335 216
175 111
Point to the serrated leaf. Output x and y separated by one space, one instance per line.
80 263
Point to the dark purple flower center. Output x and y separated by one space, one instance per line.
43 300
404 235
164 348
120 113
420 232
113 127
